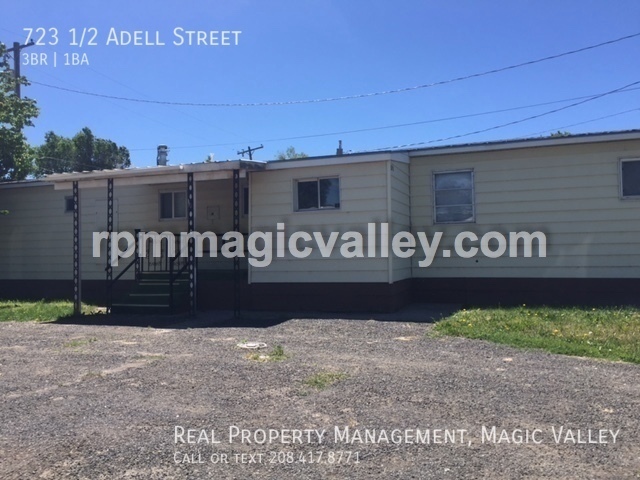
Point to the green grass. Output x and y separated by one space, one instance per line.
609 333
38 311
322 380
80 342
150 358
276 355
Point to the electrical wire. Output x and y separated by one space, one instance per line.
397 125
581 123
514 122
173 107
346 97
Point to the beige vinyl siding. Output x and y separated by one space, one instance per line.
363 199
571 193
138 207
400 195
36 236
39 234
218 194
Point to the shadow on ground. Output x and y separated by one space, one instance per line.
418 312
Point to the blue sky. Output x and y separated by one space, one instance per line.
291 51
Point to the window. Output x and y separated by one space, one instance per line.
453 197
630 177
173 205
317 194
68 204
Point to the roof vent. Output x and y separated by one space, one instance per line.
339 150
163 152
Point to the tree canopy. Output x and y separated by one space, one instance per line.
58 154
83 152
15 114
290 153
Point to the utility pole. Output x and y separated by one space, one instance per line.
16 61
250 151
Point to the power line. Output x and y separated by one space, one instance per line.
125 108
115 104
582 123
514 122
524 136
208 123
10 31
250 151
347 97
397 125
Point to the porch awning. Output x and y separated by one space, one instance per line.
154 175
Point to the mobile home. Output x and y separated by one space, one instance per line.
345 232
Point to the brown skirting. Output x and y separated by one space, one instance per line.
367 297
529 291
93 291
330 297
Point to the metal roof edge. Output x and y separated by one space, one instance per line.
348 159
25 183
156 170
577 139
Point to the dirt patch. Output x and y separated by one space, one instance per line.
113 407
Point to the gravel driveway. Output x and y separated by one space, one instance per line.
108 401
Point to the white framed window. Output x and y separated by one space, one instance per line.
316 194
453 197
630 178
173 205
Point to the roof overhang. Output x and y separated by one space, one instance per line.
339 160
154 175
580 139
25 184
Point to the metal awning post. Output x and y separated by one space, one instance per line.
109 268
191 226
236 228
77 252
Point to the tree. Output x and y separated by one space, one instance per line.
56 155
84 143
15 114
290 154
83 152
559 133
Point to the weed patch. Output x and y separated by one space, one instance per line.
322 380
276 355
79 342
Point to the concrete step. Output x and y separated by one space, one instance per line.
153 297
161 276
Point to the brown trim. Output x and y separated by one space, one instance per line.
366 297
530 291
93 291
330 297
219 294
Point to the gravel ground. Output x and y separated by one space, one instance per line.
106 401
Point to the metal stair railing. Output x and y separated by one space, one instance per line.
173 278
138 269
